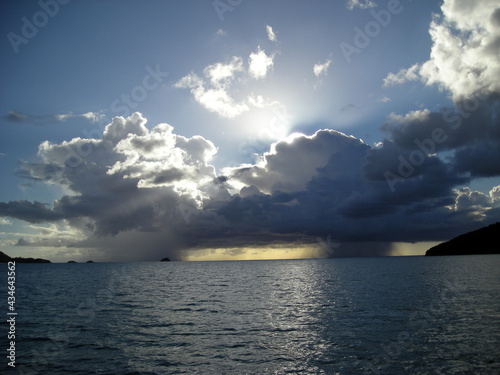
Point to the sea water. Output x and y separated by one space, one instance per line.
389 315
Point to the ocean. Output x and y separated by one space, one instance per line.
387 315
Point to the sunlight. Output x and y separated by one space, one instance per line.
251 253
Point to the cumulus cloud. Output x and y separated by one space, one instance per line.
215 91
471 138
259 63
291 163
464 58
140 193
133 179
161 158
214 94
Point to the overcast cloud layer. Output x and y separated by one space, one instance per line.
136 188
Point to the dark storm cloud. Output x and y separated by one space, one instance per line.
132 180
142 193
480 159
469 121
35 212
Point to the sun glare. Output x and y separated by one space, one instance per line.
251 253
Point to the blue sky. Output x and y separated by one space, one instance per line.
237 78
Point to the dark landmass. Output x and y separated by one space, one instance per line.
4 258
482 241
90 261
165 260
71 261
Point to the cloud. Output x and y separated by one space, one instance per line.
259 64
160 158
362 4
4 221
216 90
216 97
220 74
140 194
18 117
292 163
35 212
348 107
321 69
108 178
471 138
270 34
385 99
464 58
403 76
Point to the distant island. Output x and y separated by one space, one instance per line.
4 258
165 260
482 241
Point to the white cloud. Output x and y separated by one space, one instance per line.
321 69
4 221
160 158
495 195
216 91
222 74
259 64
219 101
385 99
412 116
475 203
120 128
464 57
270 34
363 4
404 75
214 95
292 162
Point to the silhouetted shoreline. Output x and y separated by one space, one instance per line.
482 241
4 258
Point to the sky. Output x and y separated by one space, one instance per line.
236 129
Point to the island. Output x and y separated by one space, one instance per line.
4 258
482 241
166 259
